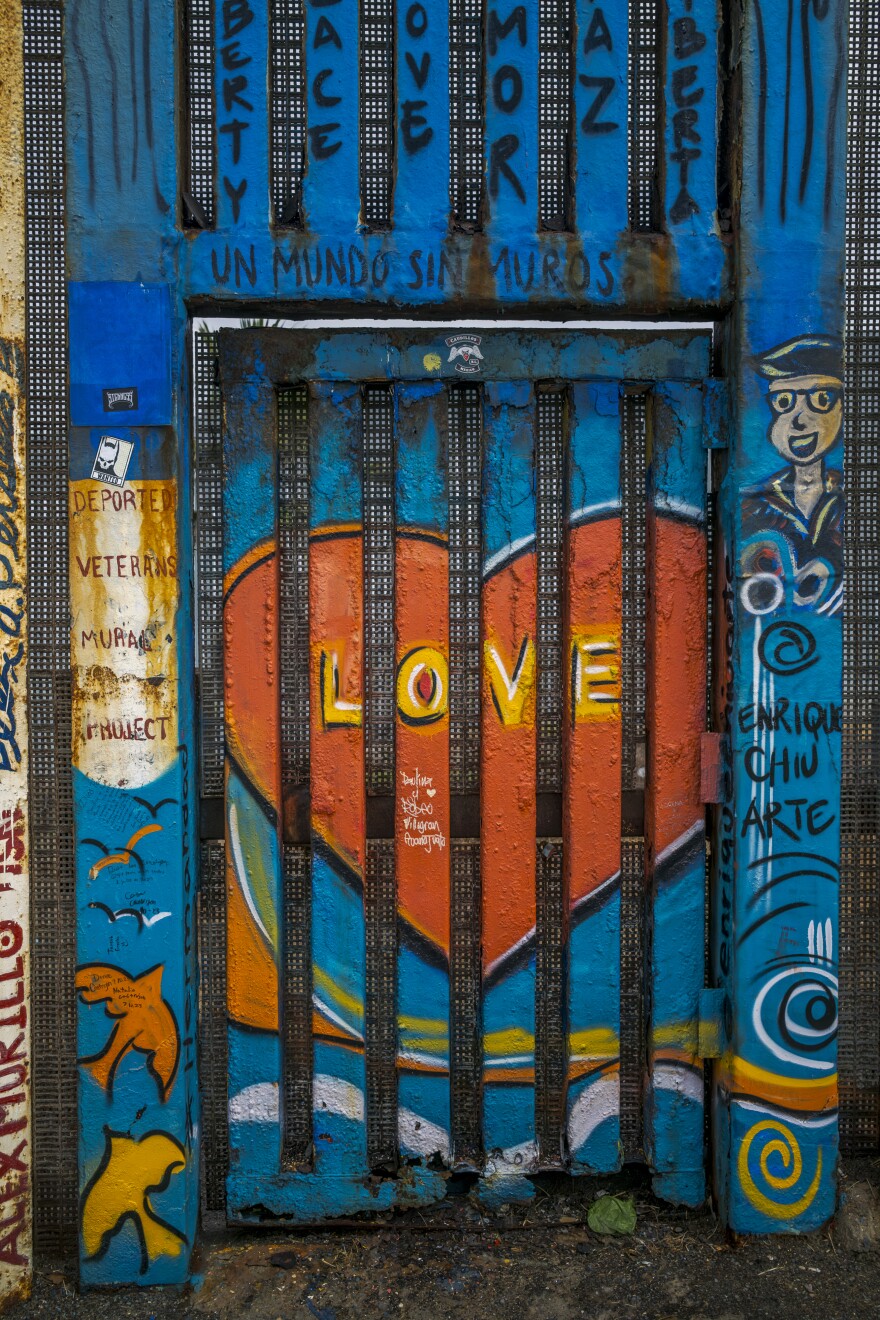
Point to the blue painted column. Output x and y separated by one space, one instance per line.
134 774
777 841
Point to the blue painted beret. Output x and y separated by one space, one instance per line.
810 355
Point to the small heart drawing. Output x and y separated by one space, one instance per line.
430 791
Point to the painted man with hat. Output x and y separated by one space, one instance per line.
803 503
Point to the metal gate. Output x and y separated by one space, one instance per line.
557 159
448 873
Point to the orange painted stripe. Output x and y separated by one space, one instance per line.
591 808
257 553
422 746
337 748
509 758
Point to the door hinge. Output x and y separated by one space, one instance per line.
715 429
711 1020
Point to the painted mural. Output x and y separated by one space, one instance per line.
783 1078
780 657
133 784
458 234
339 1180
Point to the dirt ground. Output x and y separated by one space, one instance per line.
542 1263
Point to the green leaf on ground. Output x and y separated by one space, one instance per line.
612 1215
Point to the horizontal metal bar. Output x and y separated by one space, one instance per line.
288 357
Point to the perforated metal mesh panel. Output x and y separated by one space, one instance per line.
296 978
208 450
199 130
380 896
859 1035
293 538
551 1036
550 485
213 1060
379 658
551 1045
466 111
465 467
287 121
53 907
377 111
465 975
632 875
554 112
645 113
296 1006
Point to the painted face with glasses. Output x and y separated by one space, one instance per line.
807 412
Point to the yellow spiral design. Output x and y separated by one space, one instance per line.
786 1146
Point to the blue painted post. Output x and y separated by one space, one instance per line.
778 841
690 143
134 775
601 105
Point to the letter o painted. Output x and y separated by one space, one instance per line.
423 686
416 14
507 101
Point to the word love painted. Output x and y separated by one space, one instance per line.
423 682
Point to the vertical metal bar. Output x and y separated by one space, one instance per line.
200 145
508 776
555 106
601 111
338 808
466 112
242 109
422 806
593 782
551 906
377 118
632 876
511 116
465 968
380 898
287 109
422 156
53 907
646 117
776 1095
252 709
331 187
675 818
690 141
296 980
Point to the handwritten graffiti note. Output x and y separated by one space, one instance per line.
421 828
124 592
